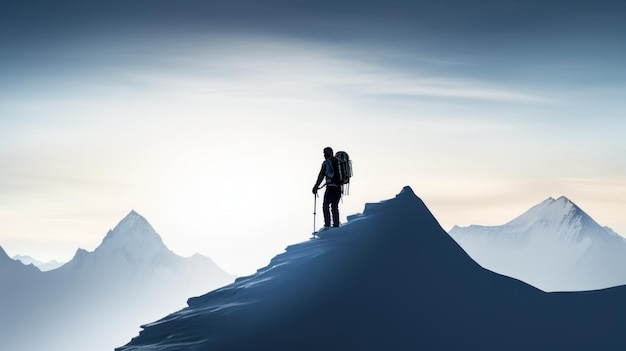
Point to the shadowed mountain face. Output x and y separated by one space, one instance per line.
554 246
98 299
389 279
10 267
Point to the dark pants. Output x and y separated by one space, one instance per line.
332 195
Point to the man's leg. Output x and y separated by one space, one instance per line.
334 205
325 207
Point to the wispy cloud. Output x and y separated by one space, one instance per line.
284 69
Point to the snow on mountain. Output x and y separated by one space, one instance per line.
133 238
98 299
554 246
43 266
390 279
132 245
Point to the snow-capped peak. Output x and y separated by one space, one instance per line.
560 219
554 245
558 216
560 211
133 237
132 221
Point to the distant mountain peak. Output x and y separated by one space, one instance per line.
79 254
131 217
133 222
554 245
551 210
553 217
43 266
134 237
561 200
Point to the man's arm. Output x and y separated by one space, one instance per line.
320 177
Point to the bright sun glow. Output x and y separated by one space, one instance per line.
224 193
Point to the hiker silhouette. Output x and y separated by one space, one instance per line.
332 194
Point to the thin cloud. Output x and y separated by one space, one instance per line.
287 70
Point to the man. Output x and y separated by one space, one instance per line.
332 195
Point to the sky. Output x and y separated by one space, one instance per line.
209 118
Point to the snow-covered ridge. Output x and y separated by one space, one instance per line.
390 278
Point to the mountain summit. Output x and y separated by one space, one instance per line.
555 246
560 216
389 279
133 238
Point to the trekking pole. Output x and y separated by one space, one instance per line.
314 211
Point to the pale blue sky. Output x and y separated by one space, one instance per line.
210 119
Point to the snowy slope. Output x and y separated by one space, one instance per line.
390 279
554 246
97 300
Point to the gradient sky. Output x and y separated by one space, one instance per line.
209 118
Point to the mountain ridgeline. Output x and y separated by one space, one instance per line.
98 299
390 279
554 246
43 266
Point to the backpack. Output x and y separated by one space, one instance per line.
343 171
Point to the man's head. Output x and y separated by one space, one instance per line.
328 152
